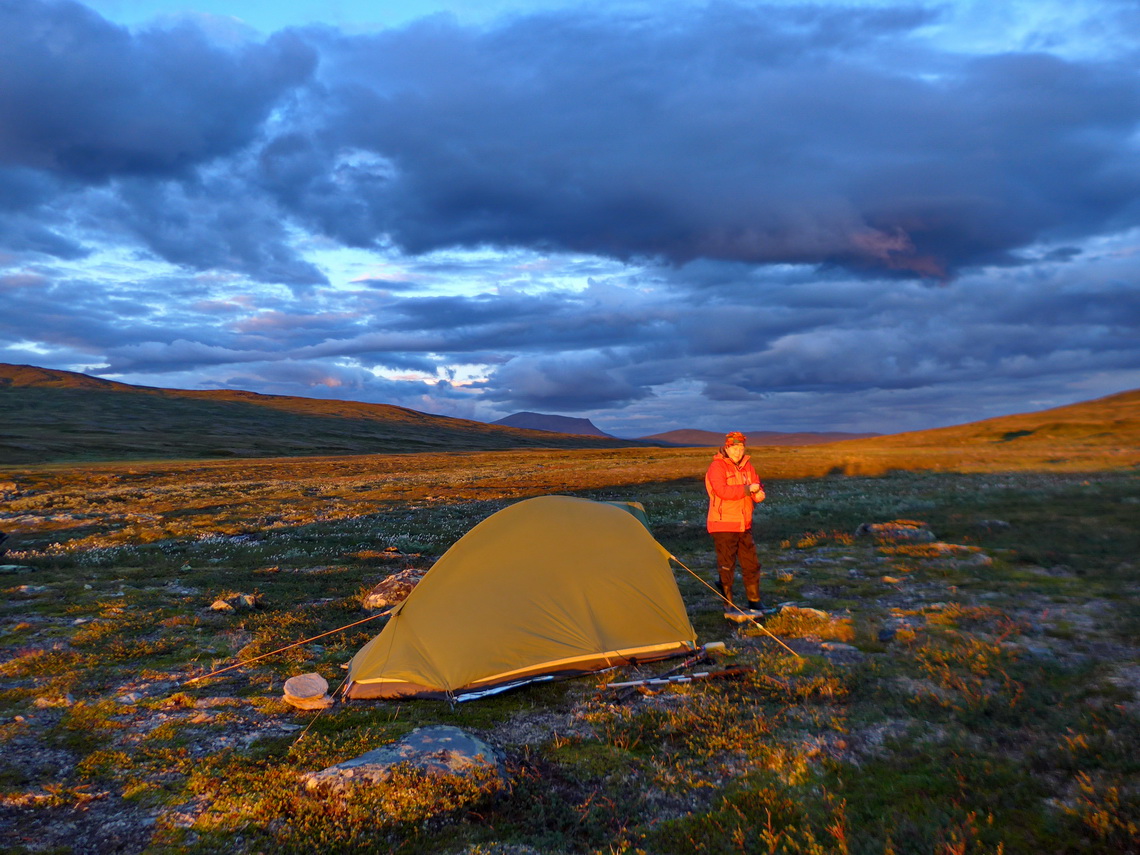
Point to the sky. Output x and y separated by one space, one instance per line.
840 216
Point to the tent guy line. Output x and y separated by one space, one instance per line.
733 605
287 647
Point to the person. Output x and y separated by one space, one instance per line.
734 490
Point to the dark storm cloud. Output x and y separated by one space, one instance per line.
85 103
772 135
87 99
757 134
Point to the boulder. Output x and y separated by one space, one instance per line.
435 750
393 590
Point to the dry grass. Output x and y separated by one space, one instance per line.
967 706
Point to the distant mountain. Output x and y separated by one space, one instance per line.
61 416
712 439
557 424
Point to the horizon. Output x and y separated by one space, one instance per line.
749 431
866 217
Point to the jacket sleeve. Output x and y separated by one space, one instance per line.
718 483
756 497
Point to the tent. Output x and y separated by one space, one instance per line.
548 587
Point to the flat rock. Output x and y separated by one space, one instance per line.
323 702
435 750
306 686
14 568
308 692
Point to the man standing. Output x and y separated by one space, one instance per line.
734 488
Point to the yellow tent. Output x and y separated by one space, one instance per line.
553 586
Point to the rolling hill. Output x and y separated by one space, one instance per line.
1110 421
1090 435
53 416
60 416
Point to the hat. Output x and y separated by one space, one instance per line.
735 438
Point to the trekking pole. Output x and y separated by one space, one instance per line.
287 647
721 596
700 656
734 671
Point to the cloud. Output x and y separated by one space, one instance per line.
762 136
777 135
722 211
83 98
560 383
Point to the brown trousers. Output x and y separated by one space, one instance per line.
733 546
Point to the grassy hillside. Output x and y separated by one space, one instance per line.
1099 434
60 416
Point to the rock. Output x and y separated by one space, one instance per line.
393 590
130 698
308 692
435 750
45 702
804 611
842 654
237 602
992 525
306 686
14 568
321 703
910 531
31 589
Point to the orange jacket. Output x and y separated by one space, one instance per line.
730 503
